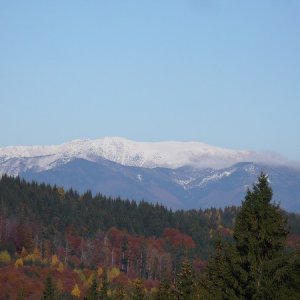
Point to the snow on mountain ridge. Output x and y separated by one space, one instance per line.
168 154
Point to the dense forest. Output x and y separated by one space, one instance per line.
57 244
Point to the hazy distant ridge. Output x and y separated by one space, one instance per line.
169 154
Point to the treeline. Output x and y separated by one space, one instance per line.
57 211
58 244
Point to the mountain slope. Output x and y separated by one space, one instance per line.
177 174
180 188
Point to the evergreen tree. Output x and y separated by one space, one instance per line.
185 281
291 287
260 234
255 265
49 290
216 281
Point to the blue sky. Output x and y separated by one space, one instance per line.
225 73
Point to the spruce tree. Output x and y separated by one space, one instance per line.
185 281
291 287
255 265
218 280
260 234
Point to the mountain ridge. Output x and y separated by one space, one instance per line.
169 154
181 188
179 175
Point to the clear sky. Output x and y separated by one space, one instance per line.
225 73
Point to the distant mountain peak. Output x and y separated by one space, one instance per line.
166 154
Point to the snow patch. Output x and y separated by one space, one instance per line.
214 177
184 182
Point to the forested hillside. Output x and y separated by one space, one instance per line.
74 243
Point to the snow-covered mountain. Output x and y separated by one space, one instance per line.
177 174
18 159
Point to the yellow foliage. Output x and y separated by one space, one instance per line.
76 291
113 273
90 280
4 257
100 271
54 260
153 290
19 263
60 267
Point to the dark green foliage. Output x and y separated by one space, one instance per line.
56 210
218 279
289 287
185 281
49 290
260 234
256 264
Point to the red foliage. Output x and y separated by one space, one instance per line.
116 237
178 239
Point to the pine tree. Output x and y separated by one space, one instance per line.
185 281
49 290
